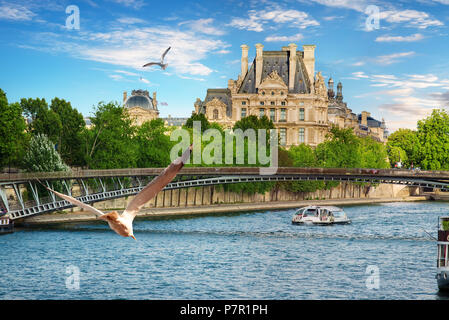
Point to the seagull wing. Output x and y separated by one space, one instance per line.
150 64
163 55
78 203
156 185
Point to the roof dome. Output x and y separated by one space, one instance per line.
139 99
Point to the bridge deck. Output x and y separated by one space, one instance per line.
220 171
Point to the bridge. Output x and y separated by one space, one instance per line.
26 197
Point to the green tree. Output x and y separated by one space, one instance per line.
252 122
373 154
198 117
72 124
396 154
153 144
340 150
41 156
433 135
109 143
406 140
303 156
43 120
13 137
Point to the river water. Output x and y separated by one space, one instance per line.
253 255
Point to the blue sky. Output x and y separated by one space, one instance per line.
398 71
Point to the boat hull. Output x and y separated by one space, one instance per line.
443 284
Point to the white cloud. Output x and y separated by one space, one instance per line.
126 72
411 38
203 26
116 77
257 19
223 51
9 11
136 4
412 18
294 38
332 18
393 58
357 5
358 63
359 74
130 20
134 47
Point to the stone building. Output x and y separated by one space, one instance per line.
340 115
141 107
283 86
280 85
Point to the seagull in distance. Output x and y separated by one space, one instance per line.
161 64
122 224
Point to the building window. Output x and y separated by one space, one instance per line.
215 114
301 135
263 93
281 93
272 103
282 136
261 112
262 103
301 114
243 103
272 93
243 113
283 115
283 103
273 115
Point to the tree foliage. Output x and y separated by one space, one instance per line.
403 145
13 138
41 156
70 140
433 136
340 150
153 144
109 143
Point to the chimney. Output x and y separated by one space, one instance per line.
365 116
292 66
125 95
309 60
244 61
259 63
154 100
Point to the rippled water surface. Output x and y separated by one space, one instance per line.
254 255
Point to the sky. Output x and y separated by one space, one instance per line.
391 57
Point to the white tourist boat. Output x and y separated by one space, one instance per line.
320 215
442 275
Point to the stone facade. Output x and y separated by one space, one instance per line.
283 86
141 107
363 124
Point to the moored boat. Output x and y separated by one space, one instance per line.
320 215
442 275
6 225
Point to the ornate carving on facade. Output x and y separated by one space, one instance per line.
273 80
216 110
320 87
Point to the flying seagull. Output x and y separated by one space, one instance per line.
122 224
161 64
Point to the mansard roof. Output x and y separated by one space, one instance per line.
278 61
223 95
372 123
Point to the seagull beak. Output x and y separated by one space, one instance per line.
132 236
